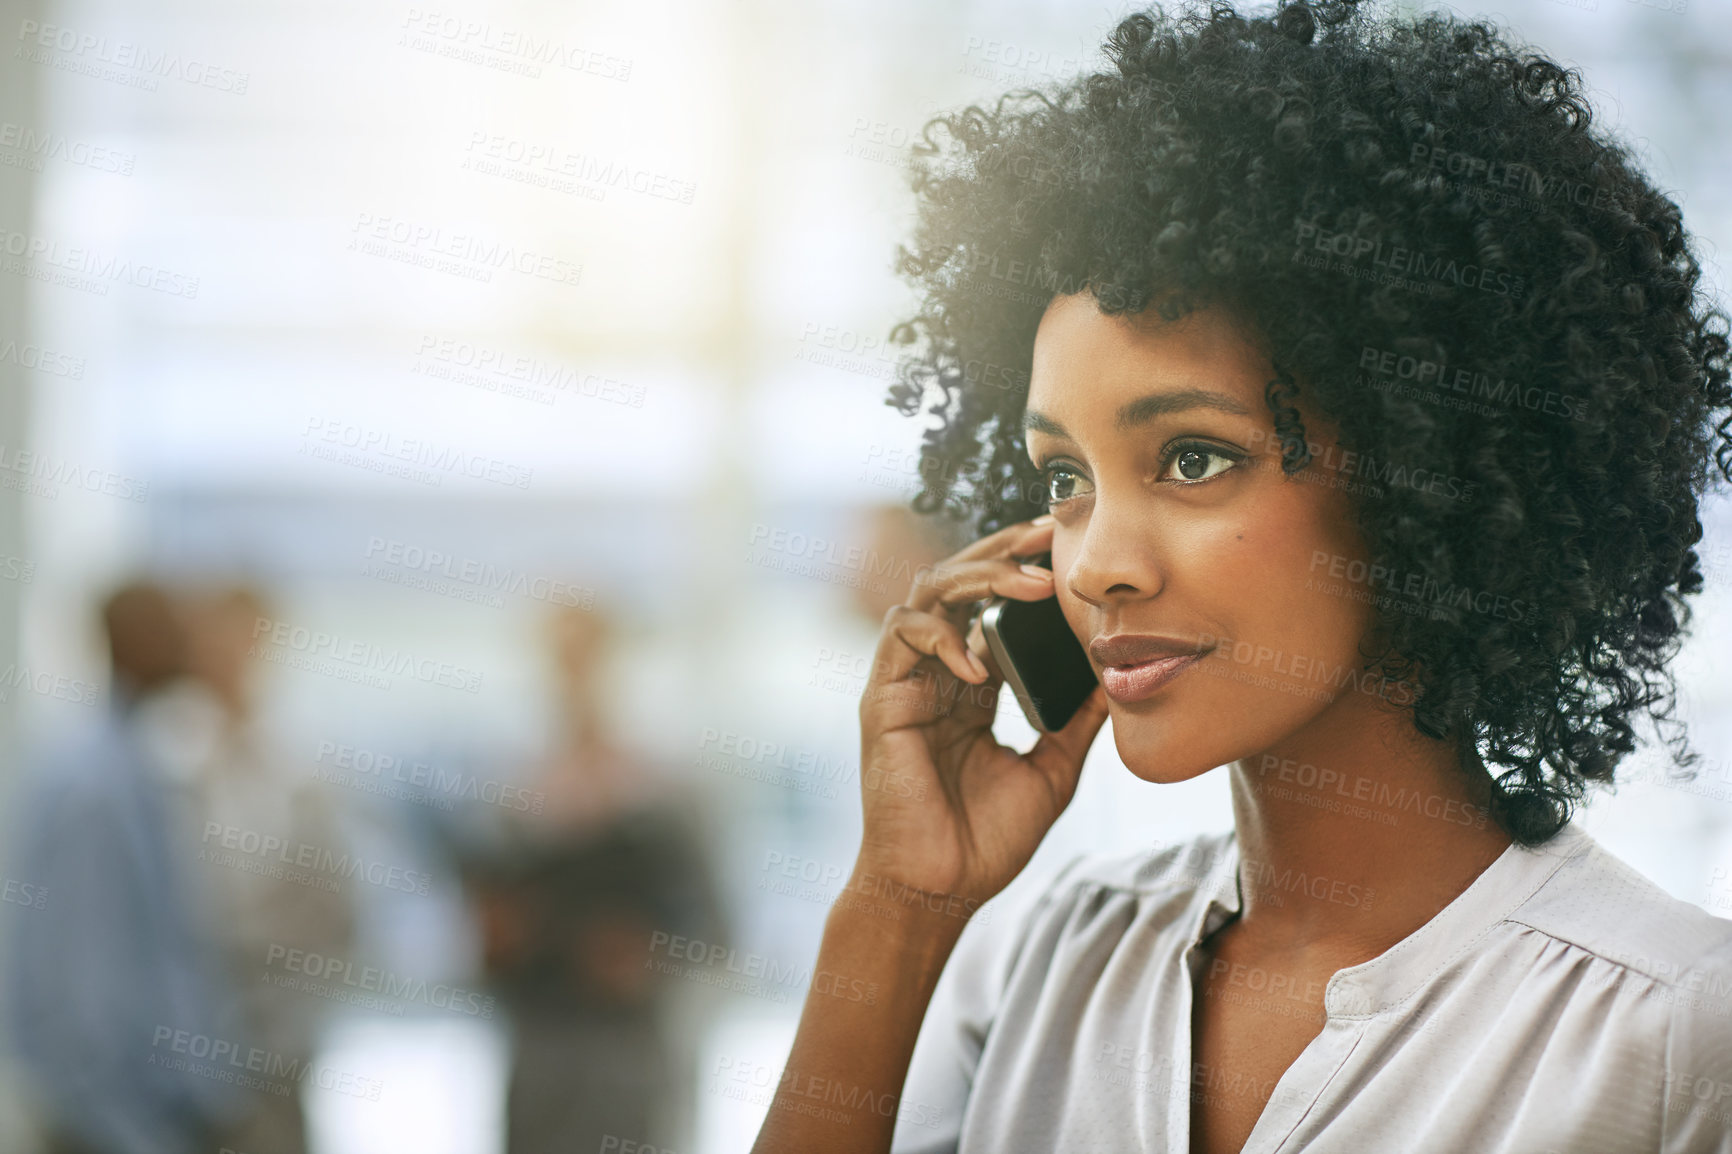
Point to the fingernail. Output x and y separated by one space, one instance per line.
977 663
1043 519
1036 571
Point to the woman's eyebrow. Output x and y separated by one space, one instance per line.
1145 409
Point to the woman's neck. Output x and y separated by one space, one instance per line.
1356 830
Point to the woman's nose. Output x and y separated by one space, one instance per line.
1116 558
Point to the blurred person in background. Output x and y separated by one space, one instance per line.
228 774
569 893
119 956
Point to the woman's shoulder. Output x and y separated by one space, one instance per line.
1598 903
1098 878
1651 979
1186 865
1089 903
1157 882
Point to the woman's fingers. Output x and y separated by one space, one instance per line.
1059 756
930 624
968 574
1006 540
977 645
910 636
934 630
958 588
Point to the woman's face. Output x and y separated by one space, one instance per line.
1178 534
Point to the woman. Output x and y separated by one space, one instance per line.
1370 396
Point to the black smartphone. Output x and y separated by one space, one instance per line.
1041 659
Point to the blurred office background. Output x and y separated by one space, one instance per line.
450 329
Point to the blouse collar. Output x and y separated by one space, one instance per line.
1384 982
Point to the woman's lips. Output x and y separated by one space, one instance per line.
1127 683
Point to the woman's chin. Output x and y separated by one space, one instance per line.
1162 762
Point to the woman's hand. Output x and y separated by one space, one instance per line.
949 813
948 810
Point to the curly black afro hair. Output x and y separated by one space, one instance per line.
1442 257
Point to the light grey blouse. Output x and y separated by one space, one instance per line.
1561 1004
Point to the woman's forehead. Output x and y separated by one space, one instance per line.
1082 354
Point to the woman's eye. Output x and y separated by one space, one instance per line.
1198 463
1062 484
